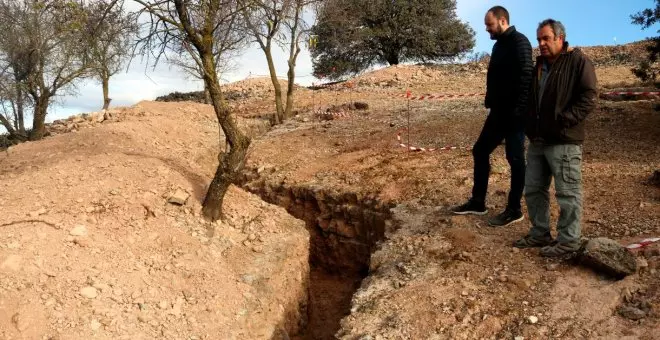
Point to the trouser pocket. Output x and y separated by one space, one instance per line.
571 166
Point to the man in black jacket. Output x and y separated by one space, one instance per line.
563 94
507 90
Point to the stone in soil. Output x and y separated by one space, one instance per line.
179 197
609 257
79 230
89 292
632 313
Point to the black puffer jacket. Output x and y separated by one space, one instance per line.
569 96
509 74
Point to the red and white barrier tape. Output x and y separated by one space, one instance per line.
643 243
631 93
440 96
335 114
344 114
414 148
409 96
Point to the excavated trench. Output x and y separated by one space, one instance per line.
344 230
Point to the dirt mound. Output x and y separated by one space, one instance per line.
91 248
257 88
250 88
617 55
406 76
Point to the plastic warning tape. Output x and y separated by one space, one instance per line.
415 148
335 114
643 243
466 95
632 93
443 96
409 96
352 115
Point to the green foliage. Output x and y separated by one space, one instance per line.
354 35
648 70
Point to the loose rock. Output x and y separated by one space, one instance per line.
179 197
79 230
89 292
608 256
19 322
632 313
95 325
12 263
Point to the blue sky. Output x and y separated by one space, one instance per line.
589 22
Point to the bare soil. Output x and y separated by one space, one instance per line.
357 211
90 248
437 276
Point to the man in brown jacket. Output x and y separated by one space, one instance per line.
563 94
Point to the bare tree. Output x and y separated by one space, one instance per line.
13 100
45 43
278 22
230 43
225 65
114 31
16 64
192 25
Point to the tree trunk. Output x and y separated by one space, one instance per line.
105 79
207 96
294 50
289 92
14 129
7 125
20 110
392 58
291 77
279 114
39 120
14 109
232 160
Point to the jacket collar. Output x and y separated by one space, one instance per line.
564 51
507 33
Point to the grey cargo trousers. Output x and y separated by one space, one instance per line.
563 163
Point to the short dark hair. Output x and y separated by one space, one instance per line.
500 12
557 27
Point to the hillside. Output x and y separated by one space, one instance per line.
334 229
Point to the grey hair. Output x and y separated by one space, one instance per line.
557 27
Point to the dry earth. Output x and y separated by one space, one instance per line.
91 248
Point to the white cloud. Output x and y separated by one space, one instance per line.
142 82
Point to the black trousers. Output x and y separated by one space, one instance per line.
500 126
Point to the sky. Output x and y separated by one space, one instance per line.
587 22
